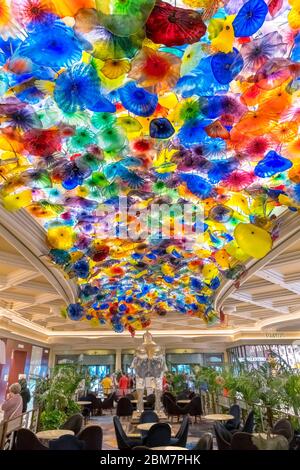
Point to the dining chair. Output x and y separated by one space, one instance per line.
158 435
92 436
27 440
74 423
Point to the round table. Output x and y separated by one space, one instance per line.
184 401
218 417
135 402
53 434
169 448
146 426
84 403
264 435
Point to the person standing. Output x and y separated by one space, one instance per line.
123 384
25 394
13 404
107 384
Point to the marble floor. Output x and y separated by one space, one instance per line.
109 439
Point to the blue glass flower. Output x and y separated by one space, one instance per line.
79 88
192 132
75 311
215 283
161 128
87 291
60 257
195 283
214 148
197 185
221 168
226 66
137 100
250 18
211 106
271 164
54 45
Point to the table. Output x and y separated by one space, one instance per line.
264 435
146 426
136 415
136 401
184 401
53 434
169 448
218 417
84 403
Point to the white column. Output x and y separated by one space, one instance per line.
118 363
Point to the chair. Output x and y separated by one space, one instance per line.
74 423
27 440
223 437
124 443
170 395
124 407
284 428
96 405
149 416
182 434
66 442
108 403
249 423
195 407
130 396
172 409
234 423
184 395
242 441
205 442
150 401
158 435
92 436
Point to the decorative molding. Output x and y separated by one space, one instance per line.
28 237
290 233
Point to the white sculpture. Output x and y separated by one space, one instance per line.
149 365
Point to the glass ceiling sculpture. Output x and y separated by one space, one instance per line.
152 103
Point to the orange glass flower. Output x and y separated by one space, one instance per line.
155 70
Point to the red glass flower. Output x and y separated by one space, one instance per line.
174 26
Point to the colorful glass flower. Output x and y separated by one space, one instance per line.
174 26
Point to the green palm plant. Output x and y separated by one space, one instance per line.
55 396
291 389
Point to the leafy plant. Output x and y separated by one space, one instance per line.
52 419
55 395
292 392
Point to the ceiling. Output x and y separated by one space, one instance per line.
267 300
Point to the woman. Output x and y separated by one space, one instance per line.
25 394
123 385
13 405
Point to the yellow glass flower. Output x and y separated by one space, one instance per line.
15 202
223 42
61 237
113 69
129 124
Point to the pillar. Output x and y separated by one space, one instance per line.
118 363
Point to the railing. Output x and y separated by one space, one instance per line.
8 428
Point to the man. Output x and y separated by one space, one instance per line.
25 393
106 384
